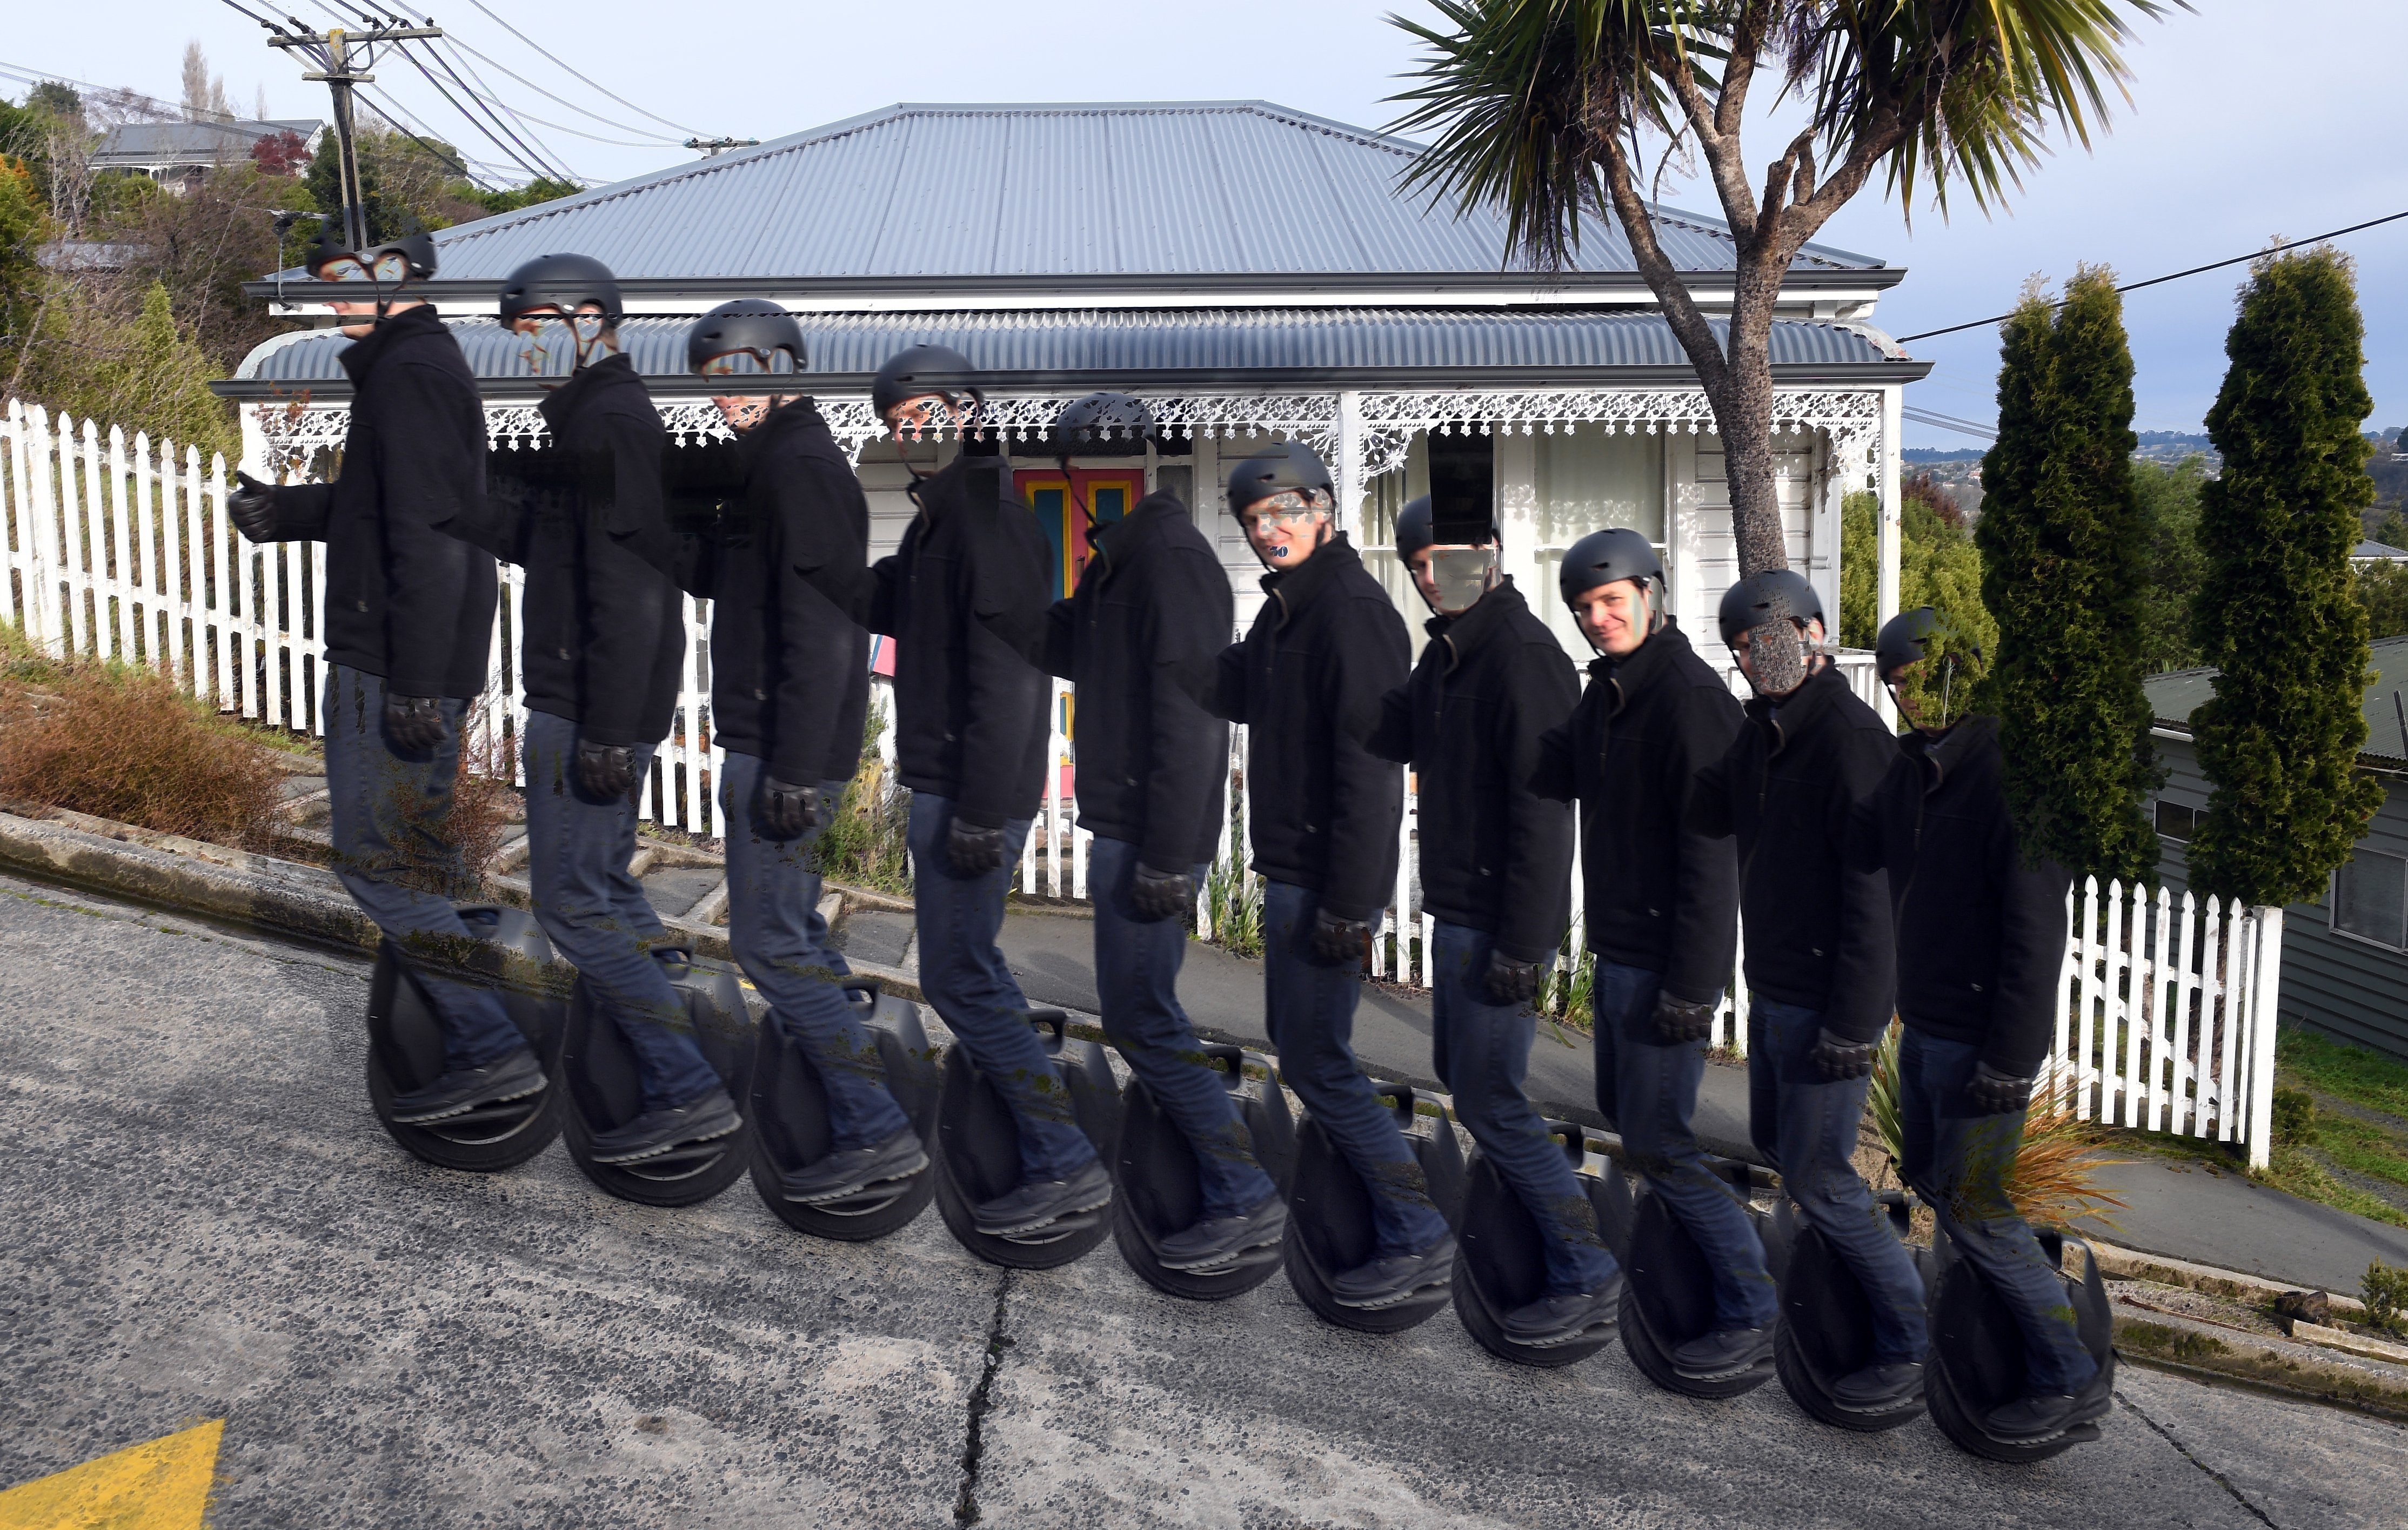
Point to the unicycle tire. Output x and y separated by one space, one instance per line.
1329 1219
1976 1359
977 1154
788 1112
604 1082
1667 1300
405 1046
1501 1263
1154 1190
1824 1331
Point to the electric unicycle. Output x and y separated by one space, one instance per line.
1154 1182
1504 1265
789 1116
1825 1329
1329 1217
606 1085
1667 1295
977 1148
1976 1362
405 1044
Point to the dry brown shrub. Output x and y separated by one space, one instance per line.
484 803
124 743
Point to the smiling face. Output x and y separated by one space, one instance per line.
1614 618
1288 527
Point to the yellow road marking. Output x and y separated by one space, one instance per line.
162 1484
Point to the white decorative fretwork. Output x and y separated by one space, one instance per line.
1388 420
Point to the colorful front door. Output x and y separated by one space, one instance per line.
1107 492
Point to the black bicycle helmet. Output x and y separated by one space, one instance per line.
751 326
566 282
1601 557
1275 470
416 248
1766 597
917 371
1903 637
1100 426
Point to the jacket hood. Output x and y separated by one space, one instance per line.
1295 587
361 357
590 386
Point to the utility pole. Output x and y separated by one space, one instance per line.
340 77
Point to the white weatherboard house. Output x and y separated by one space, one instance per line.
1252 273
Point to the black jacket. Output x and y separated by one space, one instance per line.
1495 855
1981 936
584 515
1152 604
1659 896
403 600
789 667
1818 920
964 599
1307 681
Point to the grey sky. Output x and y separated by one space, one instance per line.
2231 141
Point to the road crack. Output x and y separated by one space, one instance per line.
2218 1477
966 1507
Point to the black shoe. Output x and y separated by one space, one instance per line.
1879 1389
1724 1353
845 1174
1551 1320
2032 1418
512 1077
1398 1277
1039 1203
655 1132
1216 1241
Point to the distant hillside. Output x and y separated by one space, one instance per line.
1923 456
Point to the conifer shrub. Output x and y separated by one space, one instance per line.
2063 572
2276 613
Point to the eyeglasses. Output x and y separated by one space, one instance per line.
1288 507
750 363
387 268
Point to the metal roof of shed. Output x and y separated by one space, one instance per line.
1187 346
1209 189
2177 693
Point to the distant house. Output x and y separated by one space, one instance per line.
2344 956
2376 553
176 154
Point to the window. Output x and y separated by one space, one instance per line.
2177 822
2371 898
1588 478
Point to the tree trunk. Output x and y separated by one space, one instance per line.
1741 394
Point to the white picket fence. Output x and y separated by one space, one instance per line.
122 548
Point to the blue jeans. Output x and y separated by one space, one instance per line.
1807 1126
1137 981
1649 1091
970 986
1308 1004
780 941
391 850
1958 1163
1482 1051
596 916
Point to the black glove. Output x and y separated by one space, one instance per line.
1338 941
1995 1093
1679 1022
604 770
1836 1057
414 723
1509 982
251 506
787 811
1160 895
971 851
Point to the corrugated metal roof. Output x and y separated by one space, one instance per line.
1188 340
1215 188
2174 695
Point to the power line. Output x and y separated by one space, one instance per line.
1945 422
2176 276
529 160
457 45
620 99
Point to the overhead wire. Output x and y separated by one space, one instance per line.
517 148
605 90
2176 276
387 108
457 45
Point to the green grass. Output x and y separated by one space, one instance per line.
2295 1169
2345 1072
